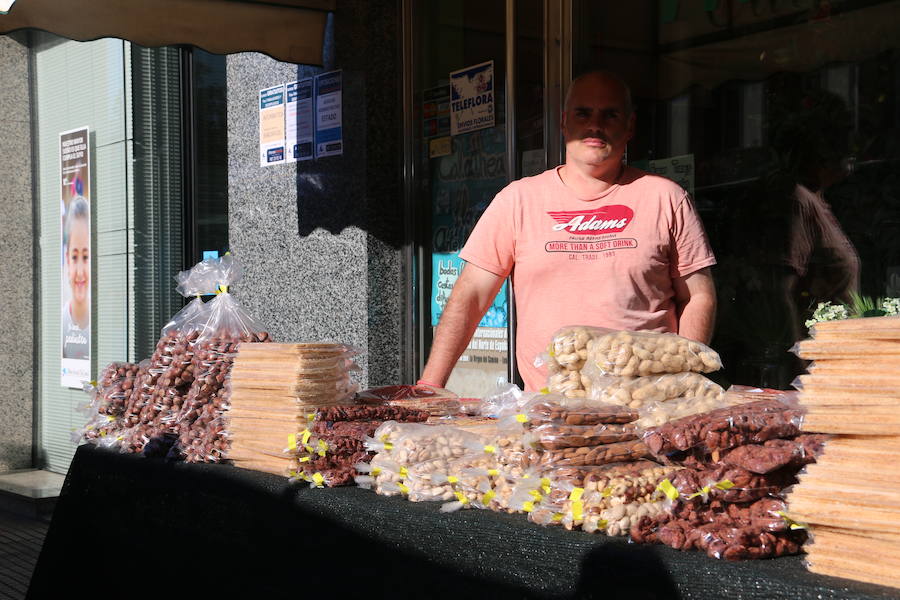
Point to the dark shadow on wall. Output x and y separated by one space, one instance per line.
361 187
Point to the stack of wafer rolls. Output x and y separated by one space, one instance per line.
275 387
849 499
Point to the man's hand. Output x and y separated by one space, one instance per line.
695 299
472 295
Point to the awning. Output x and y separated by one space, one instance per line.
288 30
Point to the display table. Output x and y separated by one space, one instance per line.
128 527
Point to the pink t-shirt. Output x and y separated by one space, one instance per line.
606 261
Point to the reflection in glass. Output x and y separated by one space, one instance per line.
787 116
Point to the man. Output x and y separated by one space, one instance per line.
592 242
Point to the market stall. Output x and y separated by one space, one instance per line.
628 441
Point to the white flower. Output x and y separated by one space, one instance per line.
891 306
826 311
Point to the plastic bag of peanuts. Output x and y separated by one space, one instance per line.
640 392
578 354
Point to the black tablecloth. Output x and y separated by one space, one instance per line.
129 527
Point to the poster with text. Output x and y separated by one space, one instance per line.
463 185
299 120
472 98
75 197
271 126
329 138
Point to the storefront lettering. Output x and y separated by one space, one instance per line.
479 166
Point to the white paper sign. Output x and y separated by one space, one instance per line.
271 126
472 98
298 116
329 137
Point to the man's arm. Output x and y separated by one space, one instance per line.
472 295
695 300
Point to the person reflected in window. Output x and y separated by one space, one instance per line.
813 146
789 251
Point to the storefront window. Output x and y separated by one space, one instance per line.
210 142
781 119
460 168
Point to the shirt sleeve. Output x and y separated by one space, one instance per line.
492 243
690 250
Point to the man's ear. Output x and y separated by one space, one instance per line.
632 120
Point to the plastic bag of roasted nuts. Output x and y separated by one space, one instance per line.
226 325
726 428
114 387
559 410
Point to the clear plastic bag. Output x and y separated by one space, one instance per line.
114 388
555 409
657 414
226 326
640 392
639 353
551 436
726 428
437 401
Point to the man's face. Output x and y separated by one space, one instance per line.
78 261
597 122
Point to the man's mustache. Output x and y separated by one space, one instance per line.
595 135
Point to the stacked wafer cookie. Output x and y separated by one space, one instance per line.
849 499
273 387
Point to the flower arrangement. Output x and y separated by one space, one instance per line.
858 307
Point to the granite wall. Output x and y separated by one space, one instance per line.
16 257
321 240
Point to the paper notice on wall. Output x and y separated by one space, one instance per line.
329 136
75 196
679 169
299 120
271 126
472 98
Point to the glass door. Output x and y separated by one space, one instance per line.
469 138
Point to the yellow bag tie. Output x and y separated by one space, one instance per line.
668 489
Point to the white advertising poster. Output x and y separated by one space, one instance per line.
472 98
75 196
299 120
271 126
329 138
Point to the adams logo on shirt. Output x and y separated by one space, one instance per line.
606 219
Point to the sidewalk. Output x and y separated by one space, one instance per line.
20 543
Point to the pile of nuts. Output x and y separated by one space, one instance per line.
639 392
335 442
580 357
206 399
638 354
730 531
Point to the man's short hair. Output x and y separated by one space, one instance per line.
629 104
